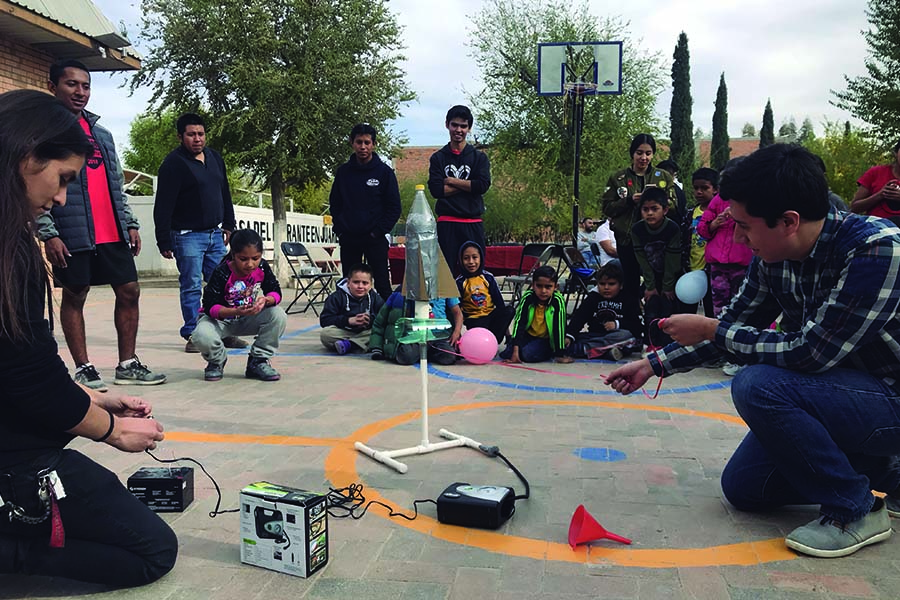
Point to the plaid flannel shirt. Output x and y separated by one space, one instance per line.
838 307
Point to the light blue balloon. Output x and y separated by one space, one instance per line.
691 287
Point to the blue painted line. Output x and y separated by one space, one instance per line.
600 454
561 390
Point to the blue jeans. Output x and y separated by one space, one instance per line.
815 438
197 254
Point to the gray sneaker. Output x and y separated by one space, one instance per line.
137 374
88 376
261 369
826 538
214 372
893 506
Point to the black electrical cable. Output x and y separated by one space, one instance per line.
215 511
345 502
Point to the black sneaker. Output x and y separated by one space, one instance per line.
137 374
88 376
259 368
214 372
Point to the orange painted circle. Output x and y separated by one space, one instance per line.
340 469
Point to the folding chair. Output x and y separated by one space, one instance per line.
311 282
581 275
522 277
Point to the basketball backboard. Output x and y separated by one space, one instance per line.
599 63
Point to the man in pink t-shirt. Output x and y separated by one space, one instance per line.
93 239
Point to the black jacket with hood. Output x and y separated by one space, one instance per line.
341 305
472 165
365 199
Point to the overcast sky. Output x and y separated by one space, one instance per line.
793 52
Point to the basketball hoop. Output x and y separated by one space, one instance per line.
580 88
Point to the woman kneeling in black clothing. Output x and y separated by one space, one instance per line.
61 514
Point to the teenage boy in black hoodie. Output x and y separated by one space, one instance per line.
365 205
458 177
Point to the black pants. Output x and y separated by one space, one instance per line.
375 249
451 237
631 270
111 537
497 322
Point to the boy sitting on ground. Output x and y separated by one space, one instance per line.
481 302
348 312
614 324
384 341
539 327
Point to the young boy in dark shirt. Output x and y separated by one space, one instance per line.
657 247
614 323
348 312
539 327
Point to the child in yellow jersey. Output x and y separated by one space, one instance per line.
539 328
480 299
706 185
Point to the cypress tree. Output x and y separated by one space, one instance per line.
682 148
720 151
767 133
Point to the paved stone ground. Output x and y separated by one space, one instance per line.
664 495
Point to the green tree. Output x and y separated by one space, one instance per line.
807 131
530 136
749 130
279 80
788 130
682 128
719 149
767 133
847 153
875 98
151 136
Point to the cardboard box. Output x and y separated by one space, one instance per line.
283 529
163 489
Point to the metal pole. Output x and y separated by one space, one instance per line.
579 123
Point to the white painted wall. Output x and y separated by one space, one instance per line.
311 230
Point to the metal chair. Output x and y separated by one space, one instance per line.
581 275
522 276
309 279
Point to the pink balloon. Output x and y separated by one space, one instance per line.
478 346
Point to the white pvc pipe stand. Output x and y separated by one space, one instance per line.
424 447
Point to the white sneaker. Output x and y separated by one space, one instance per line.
731 369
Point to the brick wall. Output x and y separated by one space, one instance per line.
22 66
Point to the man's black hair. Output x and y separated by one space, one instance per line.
59 67
188 119
775 179
669 165
363 129
545 271
706 174
654 194
460 112
611 270
359 268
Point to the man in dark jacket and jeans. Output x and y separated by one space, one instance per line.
458 177
93 240
365 206
194 217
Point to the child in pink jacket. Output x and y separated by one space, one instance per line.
726 258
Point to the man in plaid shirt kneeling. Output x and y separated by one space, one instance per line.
822 395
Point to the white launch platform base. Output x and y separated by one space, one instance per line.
454 440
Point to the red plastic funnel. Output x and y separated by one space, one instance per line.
584 528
